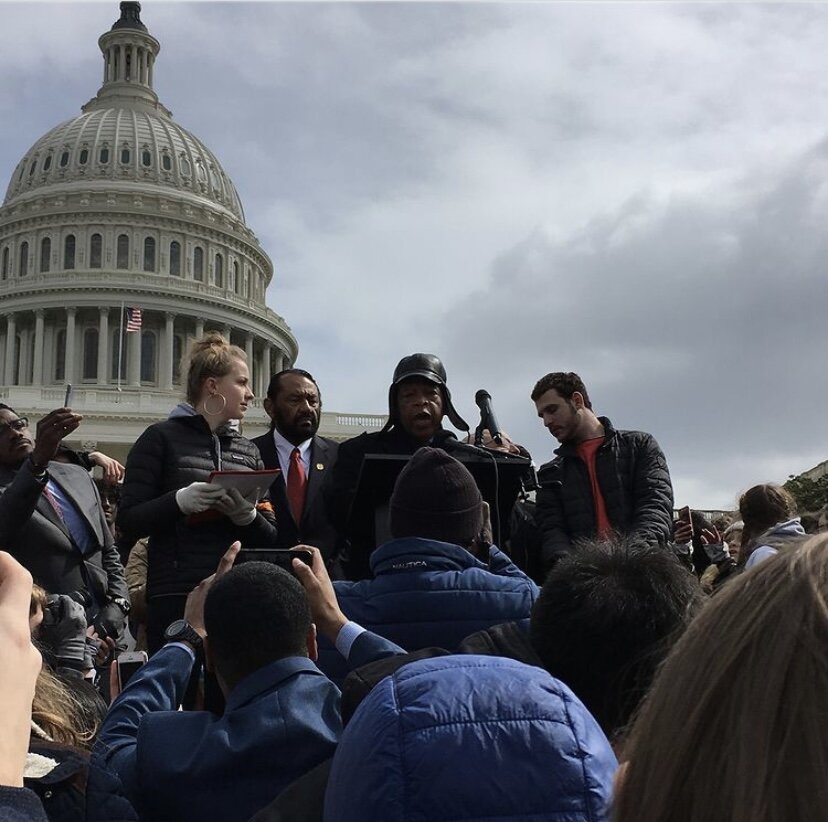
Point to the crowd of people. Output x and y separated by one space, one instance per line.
374 634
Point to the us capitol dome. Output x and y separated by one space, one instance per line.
117 210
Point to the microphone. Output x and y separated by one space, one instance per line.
483 399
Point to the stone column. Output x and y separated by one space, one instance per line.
226 331
37 366
103 346
11 334
248 350
23 368
151 62
166 381
133 65
266 372
133 342
69 367
199 328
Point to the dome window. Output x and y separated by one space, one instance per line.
23 268
45 254
146 158
5 271
125 155
201 172
198 264
103 156
95 249
32 167
175 259
22 172
60 355
69 251
47 163
149 254
218 271
237 280
122 255
64 159
166 162
149 356
90 354
184 165
83 158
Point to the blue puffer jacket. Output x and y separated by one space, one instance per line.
428 593
471 738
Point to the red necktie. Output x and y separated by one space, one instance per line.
296 484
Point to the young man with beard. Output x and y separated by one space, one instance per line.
602 481
294 405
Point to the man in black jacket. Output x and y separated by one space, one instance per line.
294 405
602 480
52 521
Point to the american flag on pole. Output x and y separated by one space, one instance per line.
133 319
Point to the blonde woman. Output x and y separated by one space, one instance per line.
166 483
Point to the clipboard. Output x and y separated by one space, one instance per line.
252 485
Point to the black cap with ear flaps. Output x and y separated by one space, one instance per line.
426 367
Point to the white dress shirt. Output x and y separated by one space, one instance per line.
284 449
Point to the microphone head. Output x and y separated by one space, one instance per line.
482 395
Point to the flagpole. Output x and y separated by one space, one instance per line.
121 346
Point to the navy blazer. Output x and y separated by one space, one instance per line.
315 528
279 722
33 533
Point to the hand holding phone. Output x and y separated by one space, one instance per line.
128 664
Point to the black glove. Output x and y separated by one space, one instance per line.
110 621
64 629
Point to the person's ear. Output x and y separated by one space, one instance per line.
210 385
267 404
486 533
577 399
313 647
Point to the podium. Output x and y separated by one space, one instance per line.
498 477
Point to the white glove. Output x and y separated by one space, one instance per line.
197 497
235 506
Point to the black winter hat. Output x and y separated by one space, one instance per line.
435 497
426 367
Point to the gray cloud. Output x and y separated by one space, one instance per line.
634 191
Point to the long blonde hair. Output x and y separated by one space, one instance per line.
734 727
56 710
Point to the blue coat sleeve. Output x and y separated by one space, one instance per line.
369 647
159 686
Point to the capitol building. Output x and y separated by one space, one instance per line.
117 210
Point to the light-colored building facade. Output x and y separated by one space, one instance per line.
121 208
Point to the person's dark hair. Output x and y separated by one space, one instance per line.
4 407
255 614
606 617
566 383
273 385
762 507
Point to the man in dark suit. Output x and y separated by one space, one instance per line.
256 627
294 406
52 521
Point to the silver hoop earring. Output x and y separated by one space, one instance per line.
210 413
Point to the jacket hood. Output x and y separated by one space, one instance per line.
417 553
782 530
471 737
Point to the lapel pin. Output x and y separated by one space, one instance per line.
319 466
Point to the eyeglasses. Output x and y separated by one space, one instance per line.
14 425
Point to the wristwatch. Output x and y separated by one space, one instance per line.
123 604
182 631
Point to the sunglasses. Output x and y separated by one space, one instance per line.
14 425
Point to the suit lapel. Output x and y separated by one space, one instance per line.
80 495
45 509
319 456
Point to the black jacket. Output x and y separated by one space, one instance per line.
168 456
635 483
32 532
315 528
341 489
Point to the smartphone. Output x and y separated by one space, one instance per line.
282 557
128 664
67 400
684 516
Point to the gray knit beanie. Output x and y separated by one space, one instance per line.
435 497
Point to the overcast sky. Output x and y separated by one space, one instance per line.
636 192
